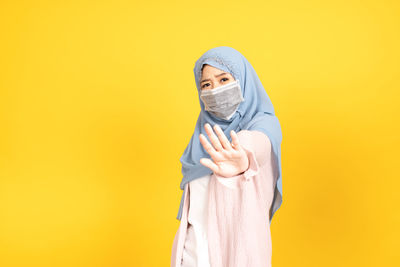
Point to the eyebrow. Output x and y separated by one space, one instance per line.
214 76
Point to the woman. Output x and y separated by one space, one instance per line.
232 184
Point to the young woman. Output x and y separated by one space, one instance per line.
232 179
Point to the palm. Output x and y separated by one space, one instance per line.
227 160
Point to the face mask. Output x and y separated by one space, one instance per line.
223 101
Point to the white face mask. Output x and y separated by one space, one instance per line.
224 100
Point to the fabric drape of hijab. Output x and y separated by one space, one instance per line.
256 112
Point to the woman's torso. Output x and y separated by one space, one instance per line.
195 251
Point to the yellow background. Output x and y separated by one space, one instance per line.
98 102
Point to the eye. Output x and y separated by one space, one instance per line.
225 78
204 85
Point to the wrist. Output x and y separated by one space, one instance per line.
247 166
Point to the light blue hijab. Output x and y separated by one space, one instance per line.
254 113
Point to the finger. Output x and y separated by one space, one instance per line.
207 146
235 140
213 138
210 164
222 137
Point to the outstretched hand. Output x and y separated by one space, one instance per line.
227 159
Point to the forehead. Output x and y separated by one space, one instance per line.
208 69
224 64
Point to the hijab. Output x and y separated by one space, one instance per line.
254 113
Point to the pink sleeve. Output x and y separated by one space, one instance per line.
257 146
258 142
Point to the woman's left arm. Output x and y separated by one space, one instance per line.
256 142
258 149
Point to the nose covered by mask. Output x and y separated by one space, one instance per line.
224 100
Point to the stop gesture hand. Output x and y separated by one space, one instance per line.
227 159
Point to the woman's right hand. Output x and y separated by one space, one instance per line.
227 159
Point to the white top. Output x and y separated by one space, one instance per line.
195 251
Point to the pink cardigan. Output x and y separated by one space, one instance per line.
238 217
